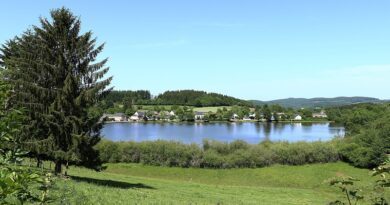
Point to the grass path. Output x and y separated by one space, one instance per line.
139 184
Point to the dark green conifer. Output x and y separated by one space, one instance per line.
55 76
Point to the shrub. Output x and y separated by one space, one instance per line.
215 154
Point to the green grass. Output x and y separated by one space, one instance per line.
151 107
210 109
141 184
200 109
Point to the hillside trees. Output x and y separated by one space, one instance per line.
55 76
197 98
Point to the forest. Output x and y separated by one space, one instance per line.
180 97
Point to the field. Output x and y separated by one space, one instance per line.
141 184
200 109
210 109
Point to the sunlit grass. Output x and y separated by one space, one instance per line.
140 184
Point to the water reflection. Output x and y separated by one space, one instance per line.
226 132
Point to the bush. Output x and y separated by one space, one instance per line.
368 149
215 154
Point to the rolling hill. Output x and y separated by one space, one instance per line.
318 102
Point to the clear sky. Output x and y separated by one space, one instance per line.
248 49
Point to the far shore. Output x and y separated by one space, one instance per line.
205 122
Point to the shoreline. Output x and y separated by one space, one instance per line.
206 122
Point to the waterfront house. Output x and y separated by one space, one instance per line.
252 116
199 115
235 116
117 117
246 118
297 117
137 116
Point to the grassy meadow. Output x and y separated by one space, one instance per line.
142 184
199 109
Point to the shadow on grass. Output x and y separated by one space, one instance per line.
111 183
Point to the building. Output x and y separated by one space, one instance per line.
252 116
117 117
199 115
297 117
137 116
246 118
235 116
321 114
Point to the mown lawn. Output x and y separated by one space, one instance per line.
141 184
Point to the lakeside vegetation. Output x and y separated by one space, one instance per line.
213 154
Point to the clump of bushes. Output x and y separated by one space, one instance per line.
213 154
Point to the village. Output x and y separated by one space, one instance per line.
199 116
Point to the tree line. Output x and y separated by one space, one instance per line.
181 97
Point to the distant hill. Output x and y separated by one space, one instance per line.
204 99
318 102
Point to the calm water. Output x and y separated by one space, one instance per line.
225 132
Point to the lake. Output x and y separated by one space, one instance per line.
250 132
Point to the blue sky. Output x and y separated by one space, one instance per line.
248 49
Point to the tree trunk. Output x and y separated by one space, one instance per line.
58 168
38 162
66 168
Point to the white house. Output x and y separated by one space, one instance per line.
117 117
199 115
235 116
297 117
171 113
137 116
252 116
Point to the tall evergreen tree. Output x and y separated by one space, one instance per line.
56 77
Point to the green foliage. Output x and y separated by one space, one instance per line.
17 184
215 154
197 99
345 184
184 113
55 75
353 194
367 140
126 98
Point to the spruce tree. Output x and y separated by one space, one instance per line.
56 78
